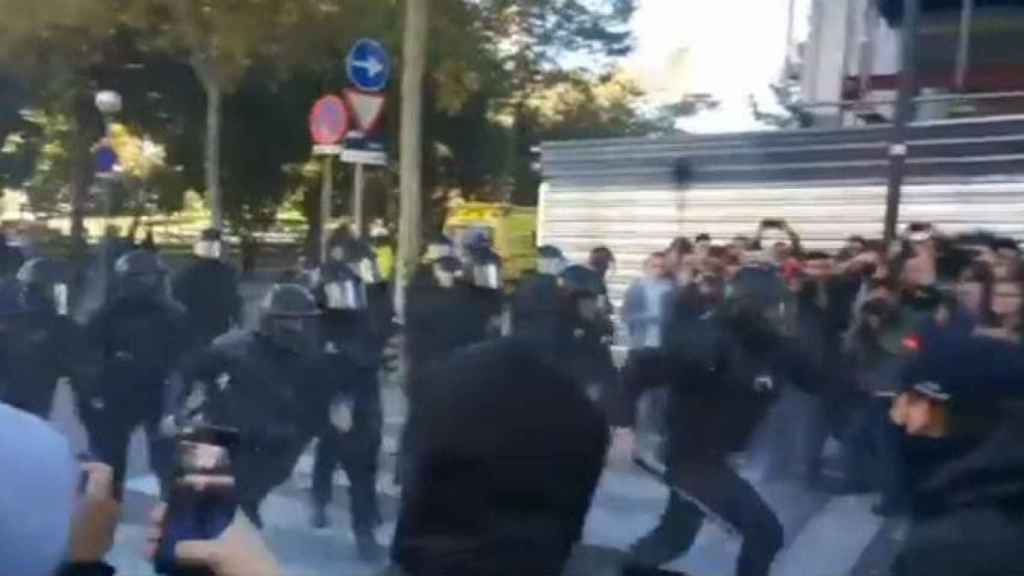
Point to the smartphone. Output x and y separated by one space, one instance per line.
192 514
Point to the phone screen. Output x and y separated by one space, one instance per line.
193 513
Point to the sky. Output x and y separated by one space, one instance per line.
728 48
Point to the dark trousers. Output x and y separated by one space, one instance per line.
722 492
110 435
358 456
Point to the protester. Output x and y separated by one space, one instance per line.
643 306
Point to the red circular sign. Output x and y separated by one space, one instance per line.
328 122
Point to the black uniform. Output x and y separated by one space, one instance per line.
261 383
349 407
48 346
585 333
727 368
441 316
208 288
139 337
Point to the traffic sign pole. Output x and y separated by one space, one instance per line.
358 187
326 193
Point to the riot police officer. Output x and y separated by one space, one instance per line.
139 336
537 303
483 275
727 366
49 345
265 383
208 288
361 258
587 333
351 426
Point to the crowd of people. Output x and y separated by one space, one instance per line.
906 354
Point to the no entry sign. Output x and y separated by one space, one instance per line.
328 122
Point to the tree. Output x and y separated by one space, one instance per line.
223 39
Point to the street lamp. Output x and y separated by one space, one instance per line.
108 102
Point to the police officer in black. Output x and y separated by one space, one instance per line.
48 345
362 260
139 336
586 333
536 305
440 317
726 366
483 276
350 431
262 382
208 288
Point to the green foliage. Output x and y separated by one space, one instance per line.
497 87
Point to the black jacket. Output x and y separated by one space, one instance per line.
244 382
48 348
209 291
138 343
968 512
724 376
349 364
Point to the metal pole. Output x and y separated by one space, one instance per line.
411 149
850 27
326 190
903 115
963 53
357 201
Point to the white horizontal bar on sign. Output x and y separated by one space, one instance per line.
326 149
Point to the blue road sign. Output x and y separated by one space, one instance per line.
106 159
368 65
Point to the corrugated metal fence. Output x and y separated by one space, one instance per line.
634 195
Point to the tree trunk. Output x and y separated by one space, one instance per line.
215 195
414 69
80 177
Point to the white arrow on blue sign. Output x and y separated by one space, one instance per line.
368 65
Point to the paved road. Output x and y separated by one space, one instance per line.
826 536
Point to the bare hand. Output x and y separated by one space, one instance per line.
95 521
239 551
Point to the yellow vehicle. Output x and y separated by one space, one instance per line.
511 229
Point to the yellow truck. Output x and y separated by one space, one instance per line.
511 229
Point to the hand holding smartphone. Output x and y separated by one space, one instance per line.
202 502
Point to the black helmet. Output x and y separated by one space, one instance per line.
209 244
140 263
141 274
757 297
447 270
43 285
580 281
483 268
550 260
337 287
288 318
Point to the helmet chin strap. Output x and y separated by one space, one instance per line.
210 249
